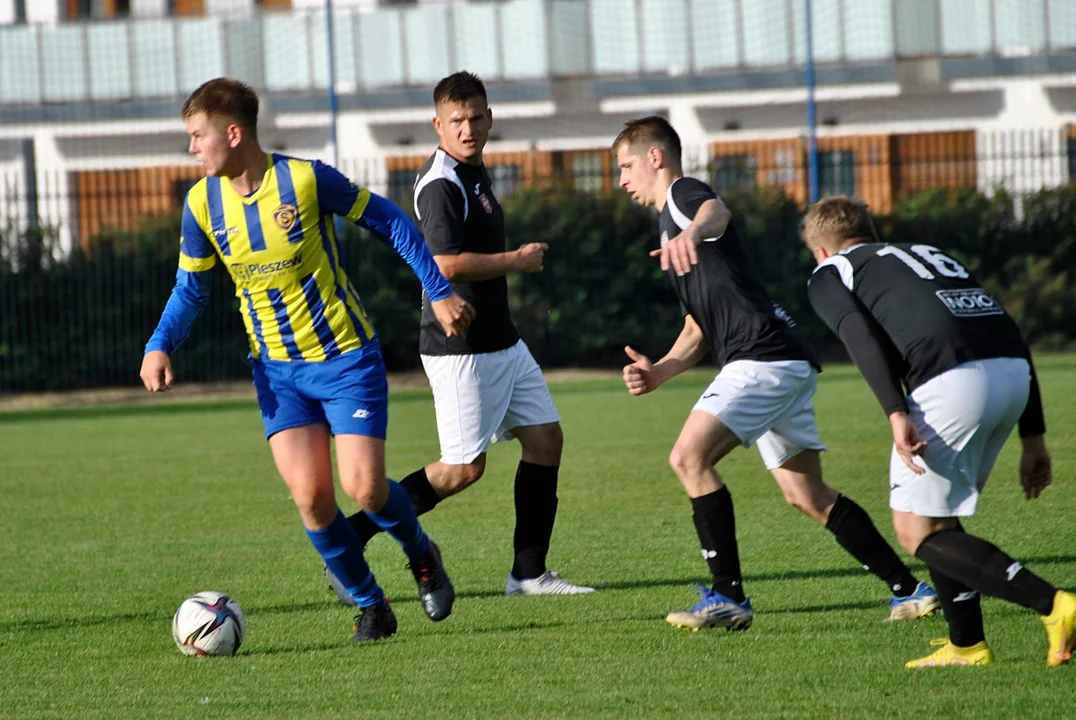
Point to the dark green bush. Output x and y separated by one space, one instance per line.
82 320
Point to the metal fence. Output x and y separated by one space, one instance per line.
77 316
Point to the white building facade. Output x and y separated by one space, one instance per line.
987 84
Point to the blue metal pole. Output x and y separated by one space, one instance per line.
812 122
335 154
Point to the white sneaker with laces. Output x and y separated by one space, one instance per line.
549 583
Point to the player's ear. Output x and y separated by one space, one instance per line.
489 116
437 126
657 157
234 134
820 253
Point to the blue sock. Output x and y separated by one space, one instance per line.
398 519
339 547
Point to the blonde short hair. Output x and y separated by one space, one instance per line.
834 222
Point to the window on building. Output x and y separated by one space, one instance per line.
837 173
506 179
586 172
733 172
180 188
1072 159
97 9
187 7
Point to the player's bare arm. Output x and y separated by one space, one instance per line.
643 376
156 371
1036 472
906 440
475 267
711 221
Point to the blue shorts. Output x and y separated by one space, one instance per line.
349 393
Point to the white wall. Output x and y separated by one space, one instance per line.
149 8
44 11
230 8
7 12
364 5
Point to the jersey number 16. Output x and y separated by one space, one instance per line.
942 263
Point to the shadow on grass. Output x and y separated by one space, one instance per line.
45 624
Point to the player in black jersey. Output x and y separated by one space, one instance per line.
954 377
762 395
486 384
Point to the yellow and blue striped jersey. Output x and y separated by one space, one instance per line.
280 248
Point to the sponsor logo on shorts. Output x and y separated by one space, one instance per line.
361 414
970 302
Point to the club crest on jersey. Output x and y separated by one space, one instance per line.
285 216
486 204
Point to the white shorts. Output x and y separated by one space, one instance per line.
768 404
480 398
964 415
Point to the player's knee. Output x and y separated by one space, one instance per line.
542 444
553 439
317 509
368 492
684 461
908 544
909 539
459 477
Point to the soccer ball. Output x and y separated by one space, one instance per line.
209 623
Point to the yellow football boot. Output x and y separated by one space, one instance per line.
949 654
1061 629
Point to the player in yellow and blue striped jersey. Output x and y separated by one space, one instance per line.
317 365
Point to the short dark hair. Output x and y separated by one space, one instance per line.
224 97
652 130
458 88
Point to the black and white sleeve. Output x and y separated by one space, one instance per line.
687 196
440 207
864 339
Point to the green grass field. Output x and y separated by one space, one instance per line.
111 516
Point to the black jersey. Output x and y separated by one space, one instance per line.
723 294
458 213
932 313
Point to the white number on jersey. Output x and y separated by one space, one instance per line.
941 262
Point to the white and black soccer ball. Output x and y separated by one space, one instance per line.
209 623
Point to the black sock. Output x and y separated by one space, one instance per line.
855 532
536 511
962 607
423 497
715 522
982 566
